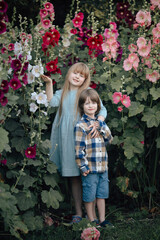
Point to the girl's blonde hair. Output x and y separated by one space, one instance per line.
82 69
94 97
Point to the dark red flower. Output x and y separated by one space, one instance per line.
5 86
4 161
25 79
3 7
15 83
1 94
2 27
30 152
55 35
93 85
73 31
92 43
51 66
4 101
47 38
16 64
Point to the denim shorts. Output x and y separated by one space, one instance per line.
95 185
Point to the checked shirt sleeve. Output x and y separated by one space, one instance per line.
105 131
80 146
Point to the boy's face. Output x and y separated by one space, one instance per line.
90 107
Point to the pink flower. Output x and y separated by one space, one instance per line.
49 6
30 152
90 233
155 2
120 109
135 25
105 47
132 48
153 77
77 22
156 32
145 50
48 220
126 101
132 57
11 47
142 142
4 50
141 42
43 13
127 65
141 17
113 25
15 83
117 96
46 23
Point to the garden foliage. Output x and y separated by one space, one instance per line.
123 57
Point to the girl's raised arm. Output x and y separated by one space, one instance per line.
49 87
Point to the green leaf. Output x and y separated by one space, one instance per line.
51 198
131 164
50 180
3 139
116 85
142 94
135 108
27 181
12 99
26 200
131 146
19 143
51 167
122 183
32 222
151 116
155 92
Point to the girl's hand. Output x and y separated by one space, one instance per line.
85 173
94 132
46 79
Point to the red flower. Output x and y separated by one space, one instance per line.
73 31
30 152
2 27
93 85
77 21
47 38
11 47
55 35
4 161
3 7
16 64
4 85
15 83
4 101
92 43
25 79
51 66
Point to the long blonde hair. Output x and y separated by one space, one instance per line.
82 69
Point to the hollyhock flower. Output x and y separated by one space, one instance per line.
4 101
106 47
34 96
11 47
113 25
155 2
141 17
51 66
43 13
4 50
117 96
153 77
93 85
18 48
55 35
37 70
47 38
41 98
126 101
127 65
4 161
3 7
73 31
145 50
120 109
5 86
141 42
156 32
148 18
48 220
142 142
90 233
16 64
133 57
80 15
1 94
46 23
15 83
66 42
31 78
49 6
30 152
135 25
78 20
25 79
132 48
33 107
3 27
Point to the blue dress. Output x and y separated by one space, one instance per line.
62 151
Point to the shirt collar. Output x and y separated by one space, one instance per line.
88 118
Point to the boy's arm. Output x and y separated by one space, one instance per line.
105 131
80 146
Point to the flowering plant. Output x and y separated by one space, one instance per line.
90 233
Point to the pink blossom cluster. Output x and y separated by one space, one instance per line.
47 15
124 99
90 233
3 16
155 4
78 20
110 44
143 18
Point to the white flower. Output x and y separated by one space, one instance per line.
29 67
66 42
18 48
29 56
10 71
33 107
37 70
31 78
34 96
41 98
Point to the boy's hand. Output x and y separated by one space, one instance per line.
46 79
94 132
85 173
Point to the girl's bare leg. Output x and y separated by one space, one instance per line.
77 194
89 209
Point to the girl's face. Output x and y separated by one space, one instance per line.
76 80
90 107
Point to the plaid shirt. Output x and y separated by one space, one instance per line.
91 153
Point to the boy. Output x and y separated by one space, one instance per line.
91 155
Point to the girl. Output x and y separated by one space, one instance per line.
62 151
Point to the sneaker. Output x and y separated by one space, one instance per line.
75 219
105 223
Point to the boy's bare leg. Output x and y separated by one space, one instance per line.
101 209
77 194
94 209
89 210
